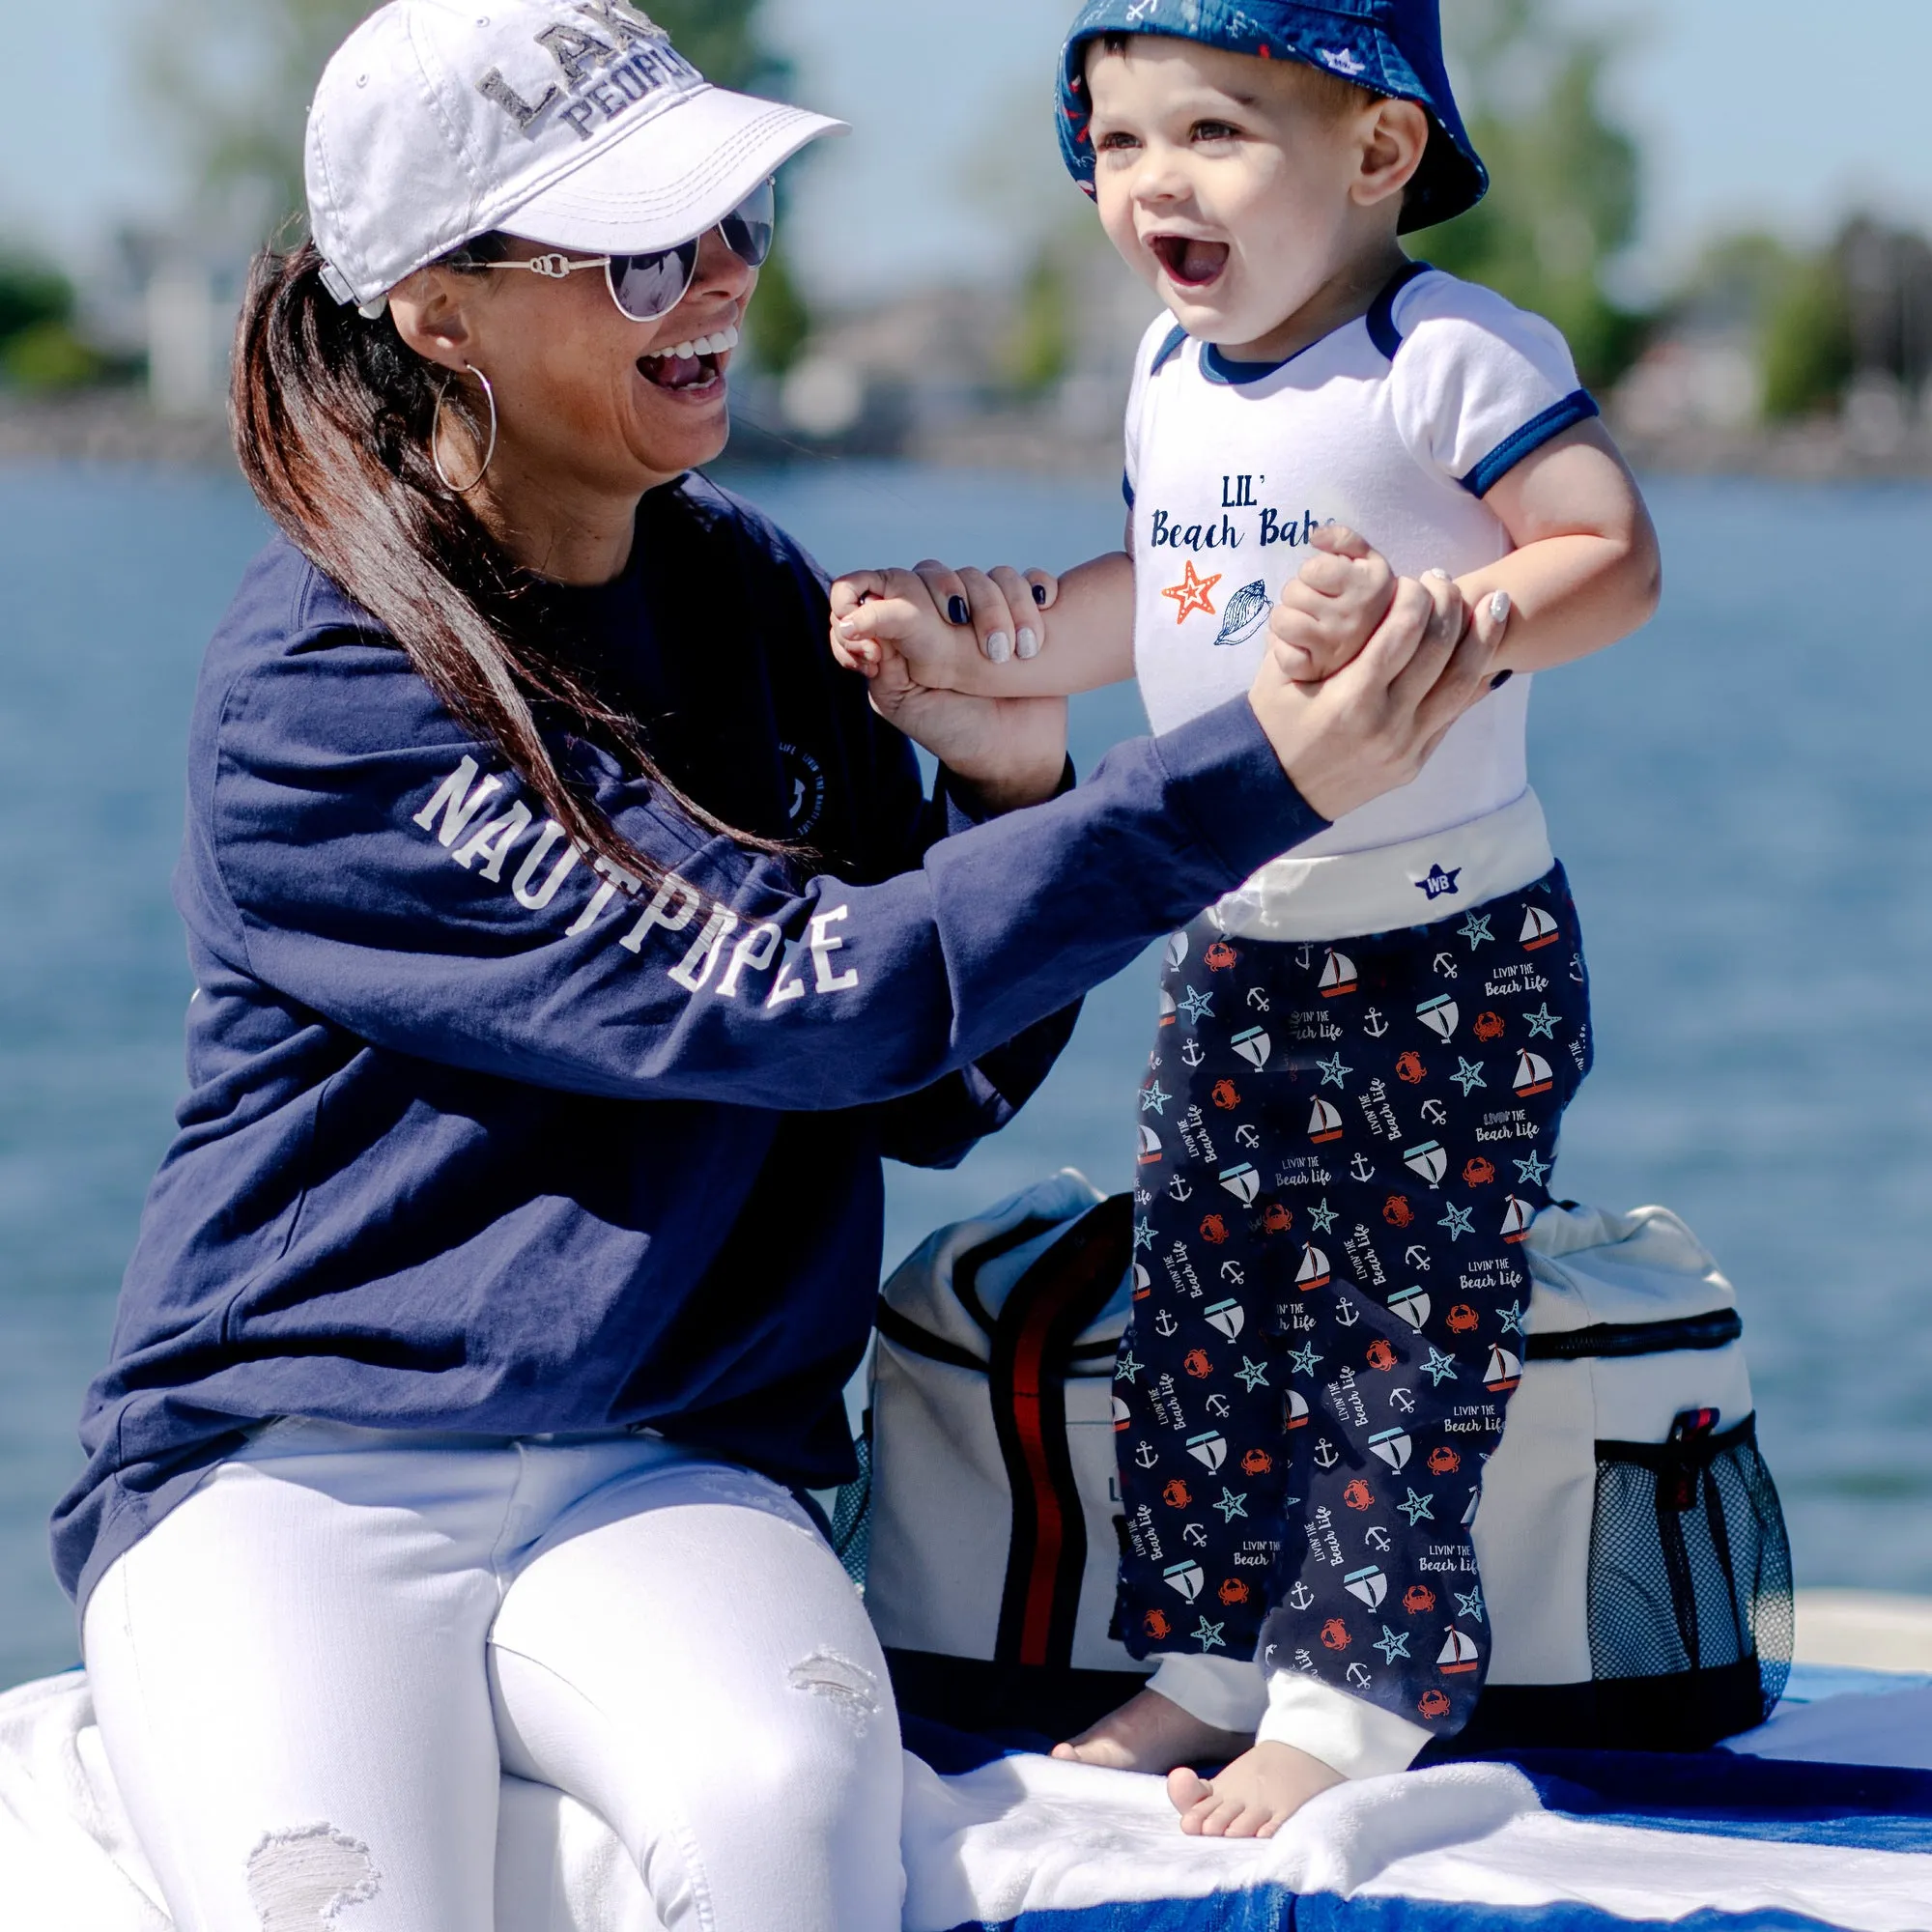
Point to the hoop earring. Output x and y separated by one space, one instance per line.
435 437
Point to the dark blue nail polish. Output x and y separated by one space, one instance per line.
1500 679
960 612
1039 595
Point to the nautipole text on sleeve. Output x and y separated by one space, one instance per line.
479 1138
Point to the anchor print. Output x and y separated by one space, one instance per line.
1373 1025
1258 1000
1192 1053
1248 1137
1164 1323
1327 1455
1301 1597
1360 1676
1378 1539
1362 1168
1145 1455
1178 1189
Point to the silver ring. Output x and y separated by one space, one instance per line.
435 437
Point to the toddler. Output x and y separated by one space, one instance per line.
1362 1058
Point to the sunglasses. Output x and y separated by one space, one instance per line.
647 288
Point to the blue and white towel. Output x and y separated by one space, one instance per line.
1821 1820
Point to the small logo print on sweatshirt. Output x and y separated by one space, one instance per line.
1439 883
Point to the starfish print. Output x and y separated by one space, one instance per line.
1440 1368
1391 1645
1198 1007
1468 1075
1232 1505
1128 1369
1154 1099
1533 1171
1543 1025
1476 930
1418 1509
1333 1069
1470 1606
1303 1361
1144 1235
1190 594
1208 1636
1513 1318
1460 1221
1251 1376
1322 1219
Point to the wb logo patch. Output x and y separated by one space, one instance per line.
1440 884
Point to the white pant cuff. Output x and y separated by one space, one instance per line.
1220 1691
1357 1739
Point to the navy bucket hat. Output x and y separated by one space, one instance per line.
1388 46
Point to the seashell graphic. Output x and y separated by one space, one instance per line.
1246 613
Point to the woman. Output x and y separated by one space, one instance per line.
572 944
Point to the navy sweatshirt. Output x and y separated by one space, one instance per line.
479 1139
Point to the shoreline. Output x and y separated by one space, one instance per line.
118 426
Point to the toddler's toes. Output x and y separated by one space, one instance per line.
1189 1793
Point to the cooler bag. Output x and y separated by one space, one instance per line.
1632 1552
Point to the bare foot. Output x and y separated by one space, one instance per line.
1151 1732
1254 1797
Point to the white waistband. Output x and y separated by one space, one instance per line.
1412 884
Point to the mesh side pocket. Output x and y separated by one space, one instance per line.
1689 1564
852 1513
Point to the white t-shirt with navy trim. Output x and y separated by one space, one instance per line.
1397 425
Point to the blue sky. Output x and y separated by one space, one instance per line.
1778 111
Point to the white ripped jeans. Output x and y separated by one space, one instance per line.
315 1668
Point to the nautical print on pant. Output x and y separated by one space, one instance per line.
1341 1149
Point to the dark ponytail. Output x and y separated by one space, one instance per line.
332 414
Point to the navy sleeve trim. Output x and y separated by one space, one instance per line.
1177 340
1577 407
1127 488
1380 318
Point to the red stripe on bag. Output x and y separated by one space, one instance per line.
1050 1526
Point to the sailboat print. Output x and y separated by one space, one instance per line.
1370 1585
1123 1415
1539 929
1504 1372
1412 1304
1167 1007
1242 1182
1517 1218
1393 1446
1441 1015
1188 1578
1533 1074
1429 1160
1225 1318
1298 1409
1457 1655
1177 953
1210 1450
1324 1124
1143 1283
1313 1272
1338 974
1151 1148
1254 1046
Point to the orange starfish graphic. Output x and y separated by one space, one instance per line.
1190 594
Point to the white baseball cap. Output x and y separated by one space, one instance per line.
568 122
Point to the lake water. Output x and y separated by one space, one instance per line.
1742 794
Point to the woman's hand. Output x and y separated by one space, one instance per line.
1371 727
1012 751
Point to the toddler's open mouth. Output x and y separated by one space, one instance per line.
690 366
1189 262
